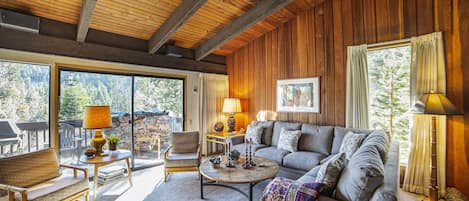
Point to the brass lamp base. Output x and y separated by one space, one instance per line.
98 142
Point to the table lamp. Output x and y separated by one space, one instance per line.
97 117
231 106
434 104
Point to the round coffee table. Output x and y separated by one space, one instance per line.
265 169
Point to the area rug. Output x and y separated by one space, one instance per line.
186 187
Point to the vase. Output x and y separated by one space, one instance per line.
112 146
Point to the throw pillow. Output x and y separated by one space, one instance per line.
289 190
254 133
351 143
330 171
288 140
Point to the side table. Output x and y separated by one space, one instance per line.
100 161
219 138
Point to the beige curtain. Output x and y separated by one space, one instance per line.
213 90
357 87
427 74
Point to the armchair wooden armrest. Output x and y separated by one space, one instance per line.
166 152
11 191
75 169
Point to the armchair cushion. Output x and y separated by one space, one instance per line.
58 188
29 169
182 160
185 142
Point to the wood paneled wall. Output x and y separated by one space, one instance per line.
314 44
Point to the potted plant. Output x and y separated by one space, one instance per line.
113 140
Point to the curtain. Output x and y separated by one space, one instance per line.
213 90
357 87
427 74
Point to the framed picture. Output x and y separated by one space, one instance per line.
298 95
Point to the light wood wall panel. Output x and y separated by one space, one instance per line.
314 44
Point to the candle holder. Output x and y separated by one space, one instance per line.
229 162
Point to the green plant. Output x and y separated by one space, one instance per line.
113 139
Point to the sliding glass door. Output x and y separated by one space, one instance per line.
158 110
144 111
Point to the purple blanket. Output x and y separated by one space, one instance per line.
282 189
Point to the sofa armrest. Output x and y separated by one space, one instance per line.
238 139
388 190
75 169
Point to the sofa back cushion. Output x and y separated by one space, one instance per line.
267 133
29 169
364 172
278 128
316 138
339 133
185 142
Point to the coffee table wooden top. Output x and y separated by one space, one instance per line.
111 157
238 174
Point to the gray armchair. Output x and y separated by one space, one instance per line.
183 155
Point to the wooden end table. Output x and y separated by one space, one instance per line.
100 161
237 175
219 138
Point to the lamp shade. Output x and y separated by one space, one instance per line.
8 129
98 116
231 105
436 104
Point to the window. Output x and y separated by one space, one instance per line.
389 79
24 101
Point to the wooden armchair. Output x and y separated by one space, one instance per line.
37 176
183 155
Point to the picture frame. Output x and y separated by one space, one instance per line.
298 95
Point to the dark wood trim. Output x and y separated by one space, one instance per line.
189 54
85 18
180 15
23 41
254 15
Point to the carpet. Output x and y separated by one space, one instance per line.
185 186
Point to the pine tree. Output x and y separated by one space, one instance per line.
389 75
72 102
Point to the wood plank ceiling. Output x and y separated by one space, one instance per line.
141 18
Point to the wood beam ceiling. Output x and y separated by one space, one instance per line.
180 15
85 18
254 15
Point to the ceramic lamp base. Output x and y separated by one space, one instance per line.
98 141
231 123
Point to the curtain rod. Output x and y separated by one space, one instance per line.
387 43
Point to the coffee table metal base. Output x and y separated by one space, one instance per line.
213 183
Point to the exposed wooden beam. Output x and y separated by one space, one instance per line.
180 15
262 10
23 41
85 18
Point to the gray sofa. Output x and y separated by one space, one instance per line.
317 143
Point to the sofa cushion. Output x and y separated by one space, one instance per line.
254 147
351 143
29 169
380 140
316 138
339 133
254 133
278 128
182 160
363 174
288 140
330 171
272 153
185 142
303 160
267 133
310 176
